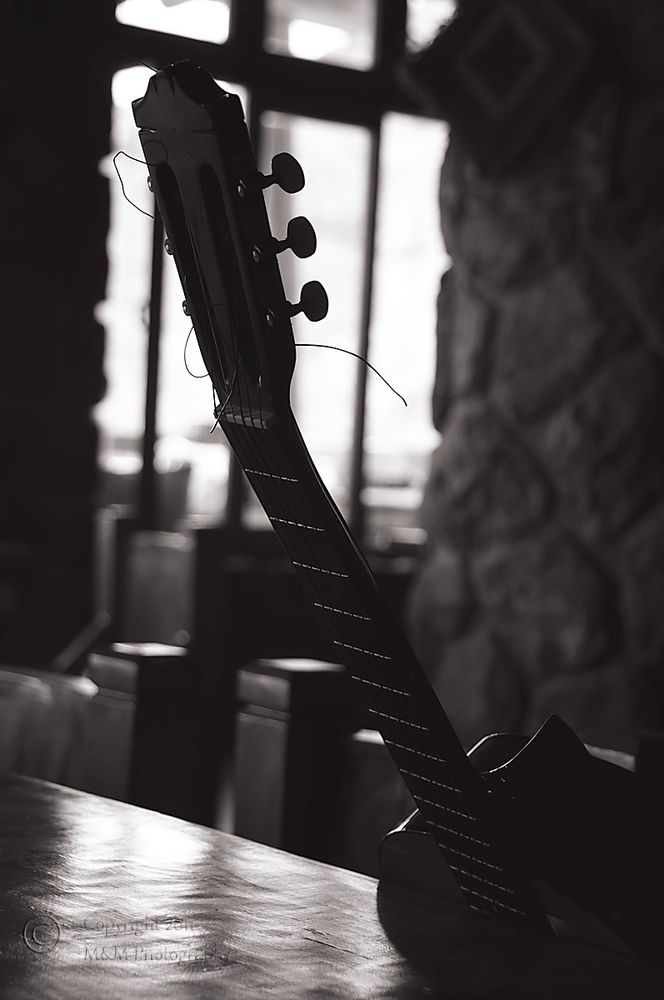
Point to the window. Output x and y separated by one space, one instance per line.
342 33
317 79
206 20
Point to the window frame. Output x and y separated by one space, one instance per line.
293 86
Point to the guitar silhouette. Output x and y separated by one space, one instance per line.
537 831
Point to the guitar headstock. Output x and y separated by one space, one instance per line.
210 194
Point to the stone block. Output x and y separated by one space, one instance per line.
547 340
641 29
439 604
642 587
463 332
480 687
549 601
634 266
500 249
576 173
484 484
442 385
613 698
506 231
604 450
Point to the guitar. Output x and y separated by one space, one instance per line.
515 816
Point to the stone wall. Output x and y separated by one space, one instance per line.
543 585
55 116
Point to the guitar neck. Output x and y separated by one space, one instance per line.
209 192
450 794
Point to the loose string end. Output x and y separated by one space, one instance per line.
138 208
344 350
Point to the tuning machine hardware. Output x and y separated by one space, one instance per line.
300 238
286 174
313 302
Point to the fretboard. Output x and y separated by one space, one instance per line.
209 193
450 794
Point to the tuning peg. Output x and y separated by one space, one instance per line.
300 238
286 173
313 302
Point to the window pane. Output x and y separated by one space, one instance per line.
341 32
206 20
120 414
335 162
192 463
409 261
425 17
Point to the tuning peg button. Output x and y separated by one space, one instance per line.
286 173
313 302
300 238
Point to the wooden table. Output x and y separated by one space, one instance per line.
107 900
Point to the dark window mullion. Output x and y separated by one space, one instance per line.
246 27
356 479
148 502
391 20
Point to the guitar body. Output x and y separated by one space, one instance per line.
507 819
586 829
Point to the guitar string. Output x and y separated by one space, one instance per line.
330 347
211 339
344 350
313 556
236 356
145 163
135 58
464 824
461 820
388 700
387 697
369 667
459 826
185 277
206 373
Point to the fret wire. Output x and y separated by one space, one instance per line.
395 718
271 475
387 697
321 569
469 857
456 833
495 903
383 687
439 805
282 451
439 760
481 878
357 649
431 781
340 611
395 710
294 524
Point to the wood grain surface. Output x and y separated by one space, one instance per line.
104 899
